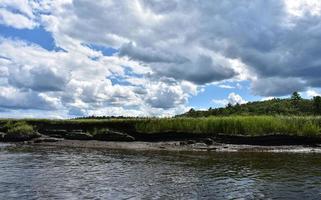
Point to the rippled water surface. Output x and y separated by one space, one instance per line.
65 173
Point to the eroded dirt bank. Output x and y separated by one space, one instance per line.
180 146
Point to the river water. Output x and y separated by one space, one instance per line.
72 173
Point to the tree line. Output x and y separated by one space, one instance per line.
295 105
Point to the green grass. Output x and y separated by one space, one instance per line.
229 125
235 125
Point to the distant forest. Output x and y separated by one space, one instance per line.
295 105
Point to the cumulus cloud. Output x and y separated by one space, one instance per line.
232 99
274 45
276 86
149 55
235 99
266 36
17 13
171 48
312 93
158 40
55 80
164 96
16 20
38 78
24 7
12 98
200 71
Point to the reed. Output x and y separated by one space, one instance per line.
229 125
235 125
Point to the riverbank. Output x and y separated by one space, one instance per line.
173 146
235 133
309 126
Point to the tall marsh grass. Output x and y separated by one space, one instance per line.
229 125
235 125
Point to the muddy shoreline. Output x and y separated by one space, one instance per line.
176 146
173 141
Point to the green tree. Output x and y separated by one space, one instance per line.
295 100
296 96
317 104
229 105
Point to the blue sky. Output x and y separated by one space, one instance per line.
37 36
63 59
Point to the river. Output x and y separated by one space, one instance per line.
29 172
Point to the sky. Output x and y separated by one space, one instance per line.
71 58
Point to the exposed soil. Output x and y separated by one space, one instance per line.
267 140
181 146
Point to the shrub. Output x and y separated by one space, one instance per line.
19 127
19 131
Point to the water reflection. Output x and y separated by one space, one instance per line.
55 173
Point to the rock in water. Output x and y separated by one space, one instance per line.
191 142
199 145
19 137
55 132
3 129
78 136
208 141
109 135
46 139
2 136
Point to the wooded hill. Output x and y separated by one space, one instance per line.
290 106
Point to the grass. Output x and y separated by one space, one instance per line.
229 125
235 125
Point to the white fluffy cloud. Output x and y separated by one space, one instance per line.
166 52
11 98
35 78
145 33
16 20
232 99
268 39
312 93
235 99
18 13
